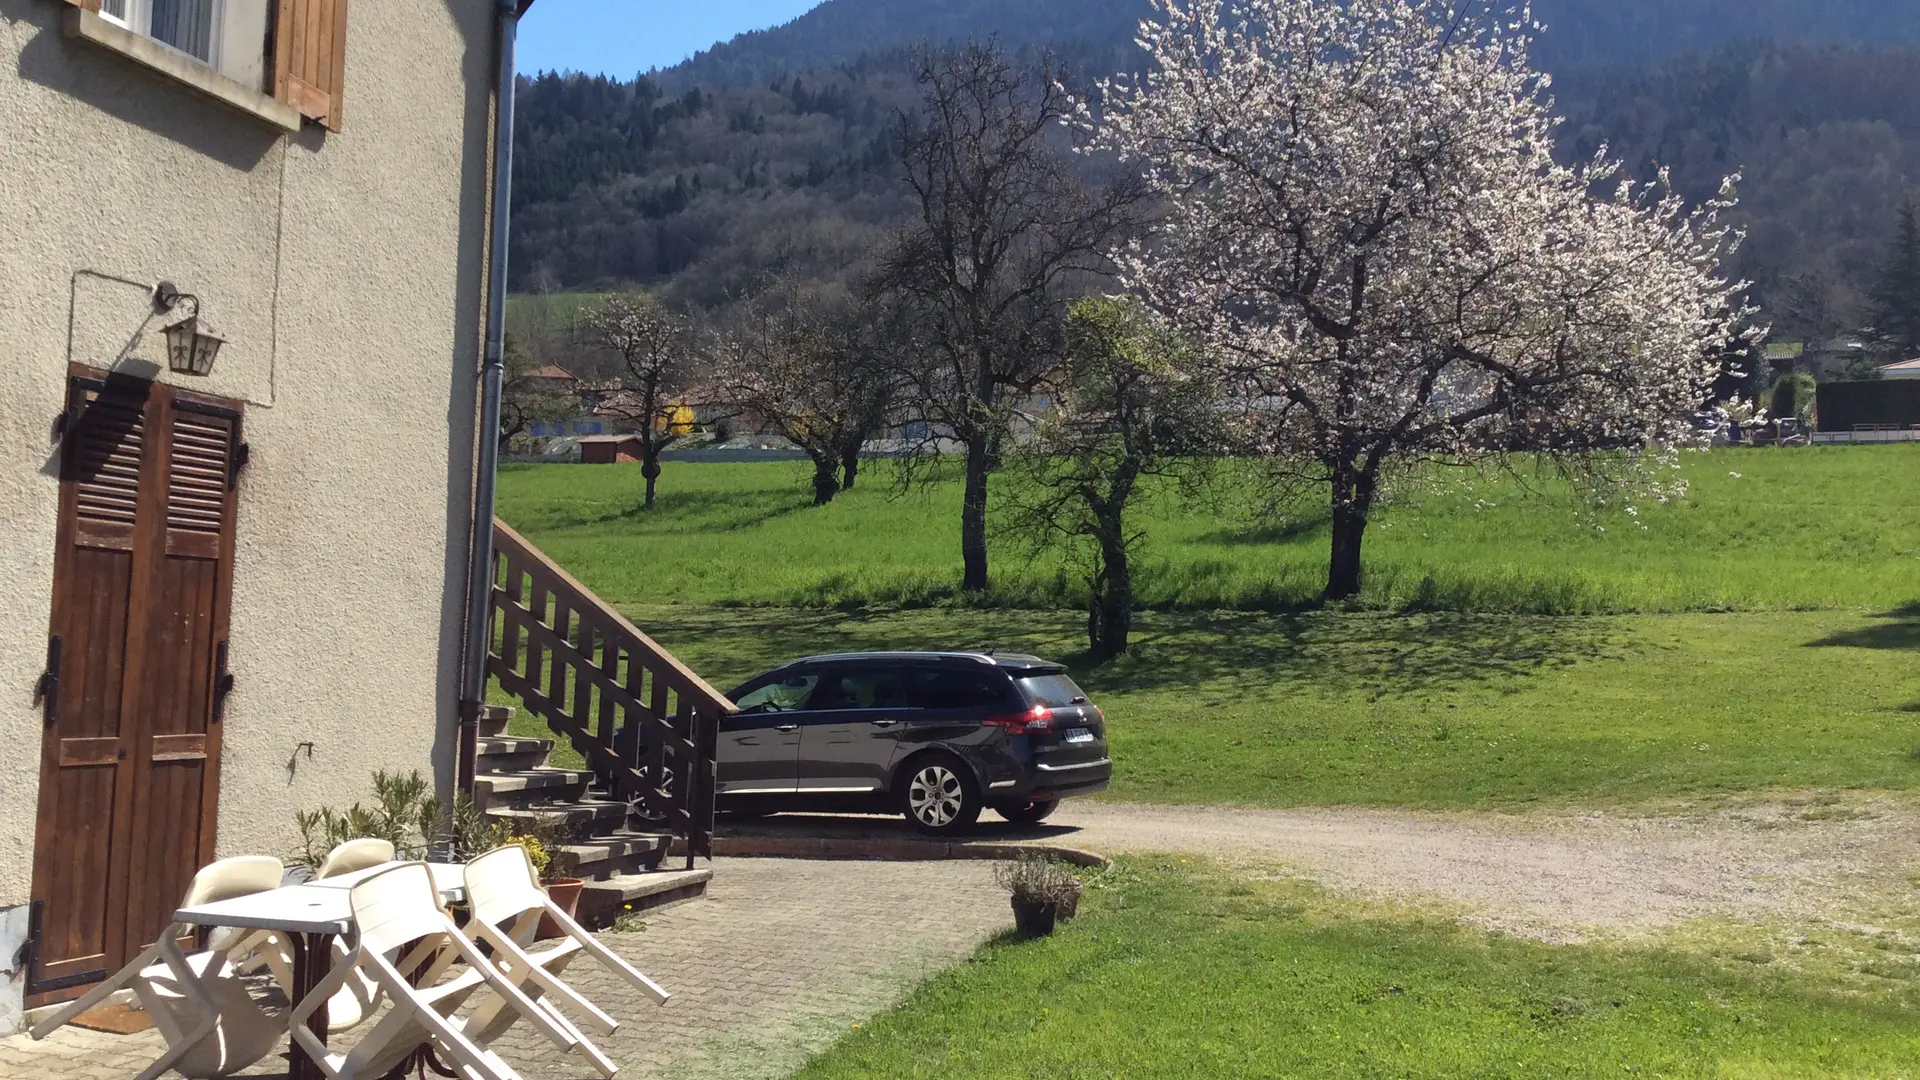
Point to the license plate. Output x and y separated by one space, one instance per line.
1079 734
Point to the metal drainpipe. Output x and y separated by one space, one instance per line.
473 664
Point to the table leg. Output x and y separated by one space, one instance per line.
312 958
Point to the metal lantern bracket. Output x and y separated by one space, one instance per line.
191 346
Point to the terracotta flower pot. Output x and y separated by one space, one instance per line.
1034 918
565 895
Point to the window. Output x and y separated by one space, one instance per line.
189 26
1053 691
862 688
783 696
938 688
282 76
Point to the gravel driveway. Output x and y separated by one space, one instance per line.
1542 875
1551 876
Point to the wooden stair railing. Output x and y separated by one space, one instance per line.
644 722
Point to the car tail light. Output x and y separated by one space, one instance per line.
1037 719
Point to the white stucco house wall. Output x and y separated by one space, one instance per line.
316 187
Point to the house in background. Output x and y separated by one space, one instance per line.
239 233
1782 356
609 449
1906 369
552 379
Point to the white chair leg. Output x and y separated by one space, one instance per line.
192 989
527 969
101 992
612 960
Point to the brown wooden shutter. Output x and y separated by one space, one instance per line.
310 57
137 668
177 760
86 779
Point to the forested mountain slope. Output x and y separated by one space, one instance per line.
772 152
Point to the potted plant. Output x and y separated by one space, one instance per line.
563 891
1042 891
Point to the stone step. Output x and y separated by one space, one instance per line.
494 720
506 754
601 902
570 820
520 790
623 851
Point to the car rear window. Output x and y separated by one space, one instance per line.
943 688
1052 691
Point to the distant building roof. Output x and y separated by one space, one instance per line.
1785 350
605 438
551 371
1905 369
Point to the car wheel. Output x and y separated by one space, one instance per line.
938 796
1028 813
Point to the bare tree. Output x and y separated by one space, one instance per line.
1133 416
1365 218
1006 224
801 363
650 353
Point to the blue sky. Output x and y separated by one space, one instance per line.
625 37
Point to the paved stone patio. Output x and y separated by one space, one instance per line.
780 958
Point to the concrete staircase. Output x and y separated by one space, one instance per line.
621 865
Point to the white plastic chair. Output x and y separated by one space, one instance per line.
407 947
361 854
504 893
354 1002
211 1026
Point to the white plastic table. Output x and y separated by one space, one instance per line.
311 916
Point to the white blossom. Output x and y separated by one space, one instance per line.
1365 220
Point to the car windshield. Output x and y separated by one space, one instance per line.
779 696
1052 691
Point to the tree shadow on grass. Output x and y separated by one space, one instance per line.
1898 629
1376 654
687 512
1220 655
1289 531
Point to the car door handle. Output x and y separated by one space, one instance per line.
788 727
884 723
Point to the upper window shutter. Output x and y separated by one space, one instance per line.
310 57
102 450
200 477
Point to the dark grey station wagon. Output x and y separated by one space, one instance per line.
934 736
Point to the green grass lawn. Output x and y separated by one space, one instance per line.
1175 970
1437 710
1762 530
1237 693
1758 637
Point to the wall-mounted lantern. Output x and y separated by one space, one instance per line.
192 345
